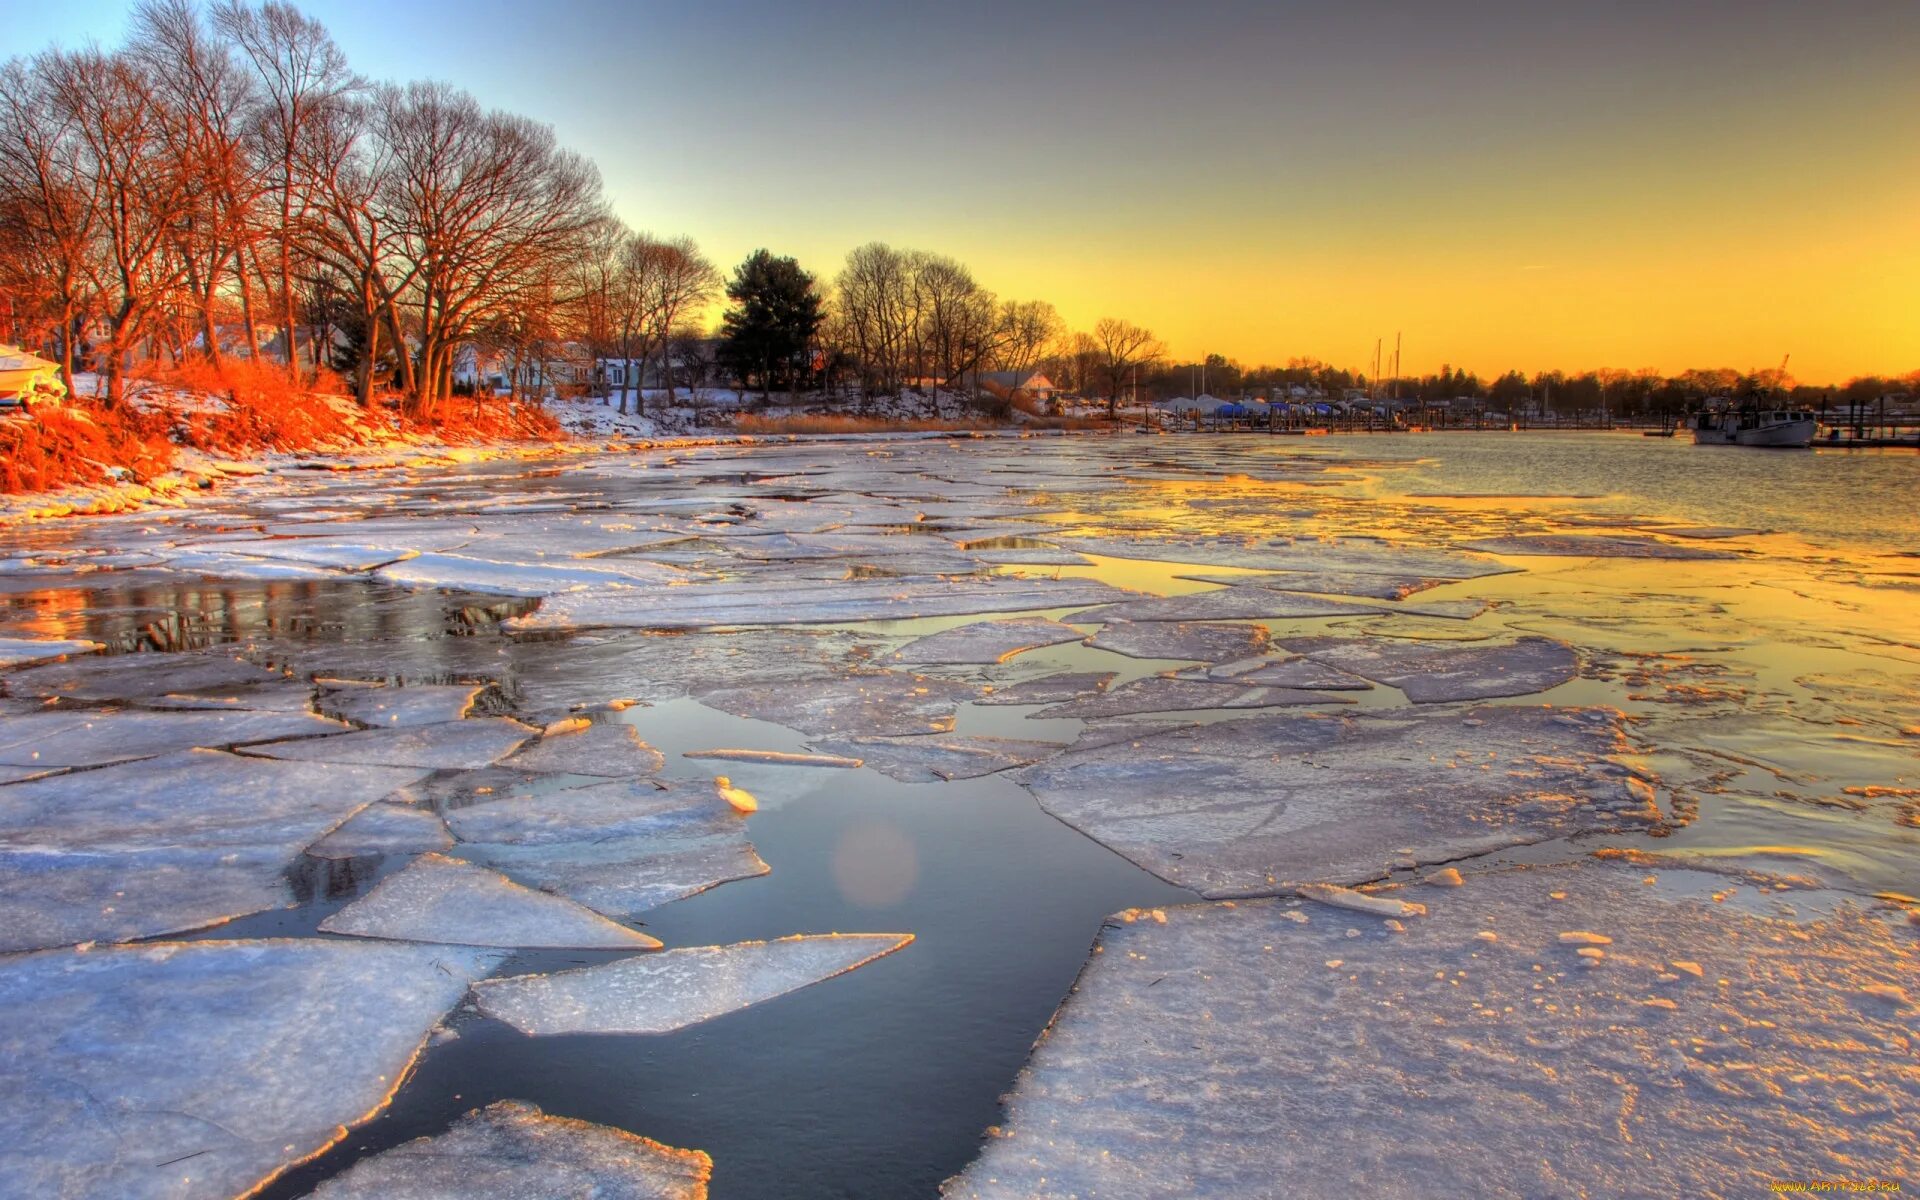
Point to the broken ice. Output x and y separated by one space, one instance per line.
659 993
444 900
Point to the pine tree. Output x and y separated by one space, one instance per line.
769 324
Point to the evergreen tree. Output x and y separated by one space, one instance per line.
768 329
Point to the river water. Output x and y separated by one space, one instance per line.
1774 692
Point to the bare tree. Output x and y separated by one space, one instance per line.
1027 329
49 214
485 204
681 281
1123 347
139 187
302 77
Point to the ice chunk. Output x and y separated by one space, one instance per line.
1050 689
1584 546
709 604
1029 556
139 676
291 695
659 993
867 702
609 749
511 1150
1332 583
986 641
1194 1057
1165 694
1431 674
391 707
934 758
439 899
1225 604
1247 807
85 739
1305 555
454 745
314 551
1302 673
384 829
205 1068
460 573
1175 639
778 758
618 848
164 845
20 652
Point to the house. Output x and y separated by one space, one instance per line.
1009 385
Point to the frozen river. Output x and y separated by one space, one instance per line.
1657 706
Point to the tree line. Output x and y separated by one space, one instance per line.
225 185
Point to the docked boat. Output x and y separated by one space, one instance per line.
1751 426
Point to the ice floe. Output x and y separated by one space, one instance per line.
139 676
204 1068
711 604
1050 689
1225 604
458 572
163 845
384 829
869 702
1431 674
618 848
511 1150
610 749
92 738
1247 807
1224 1050
659 993
391 707
1593 546
20 652
1180 640
1333 583
938 757
439 899
453 745
986 641
1166 694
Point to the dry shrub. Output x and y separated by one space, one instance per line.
264 408
491 419
825 423
76 443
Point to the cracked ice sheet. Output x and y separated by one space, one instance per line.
454 745
883 703
618 848
510 1150
1332 583
1160 693
1305 555
384 829
665 666
392 707
1248 807
204 1068
1180 640
986 641
1225 604
20 652
610 749
164 845
659 993
1582 546
313 552
140 676
458 573
1236 1048
697 605
1050 689
1433 674
939 758
90 738
443 900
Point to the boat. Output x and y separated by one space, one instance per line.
1750 425
22 373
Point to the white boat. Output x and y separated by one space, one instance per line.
21 373
1777 427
